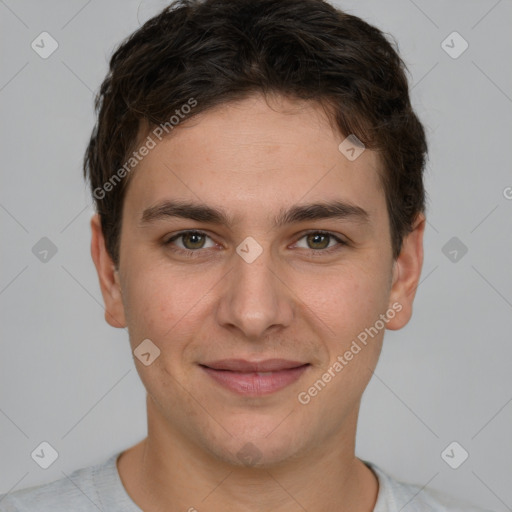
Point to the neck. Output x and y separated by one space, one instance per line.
167 471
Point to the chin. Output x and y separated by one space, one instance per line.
252 448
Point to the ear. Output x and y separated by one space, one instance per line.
108 276
406 275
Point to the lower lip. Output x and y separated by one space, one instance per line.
252 384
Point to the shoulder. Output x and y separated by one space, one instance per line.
395 495
77 492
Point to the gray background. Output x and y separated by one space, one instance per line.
68 378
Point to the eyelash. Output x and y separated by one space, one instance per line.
195 253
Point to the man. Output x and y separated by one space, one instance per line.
257 171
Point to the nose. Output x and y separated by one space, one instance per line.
255 297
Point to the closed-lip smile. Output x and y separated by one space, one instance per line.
255 378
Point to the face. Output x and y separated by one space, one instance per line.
262 269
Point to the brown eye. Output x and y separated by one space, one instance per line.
321 241
191 241
318 240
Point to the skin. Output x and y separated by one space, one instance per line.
253 158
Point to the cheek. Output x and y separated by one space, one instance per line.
346 300
346 311
159 302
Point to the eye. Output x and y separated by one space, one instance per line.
320 240
191 241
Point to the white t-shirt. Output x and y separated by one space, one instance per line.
99 488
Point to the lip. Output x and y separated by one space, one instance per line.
244 366
255 378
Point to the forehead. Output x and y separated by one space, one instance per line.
248 155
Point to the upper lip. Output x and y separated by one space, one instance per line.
242 365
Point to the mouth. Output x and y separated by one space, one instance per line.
255 378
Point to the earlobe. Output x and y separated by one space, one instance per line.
406 274
108 276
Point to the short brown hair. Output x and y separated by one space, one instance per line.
217 51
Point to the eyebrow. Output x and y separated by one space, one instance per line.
315 211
